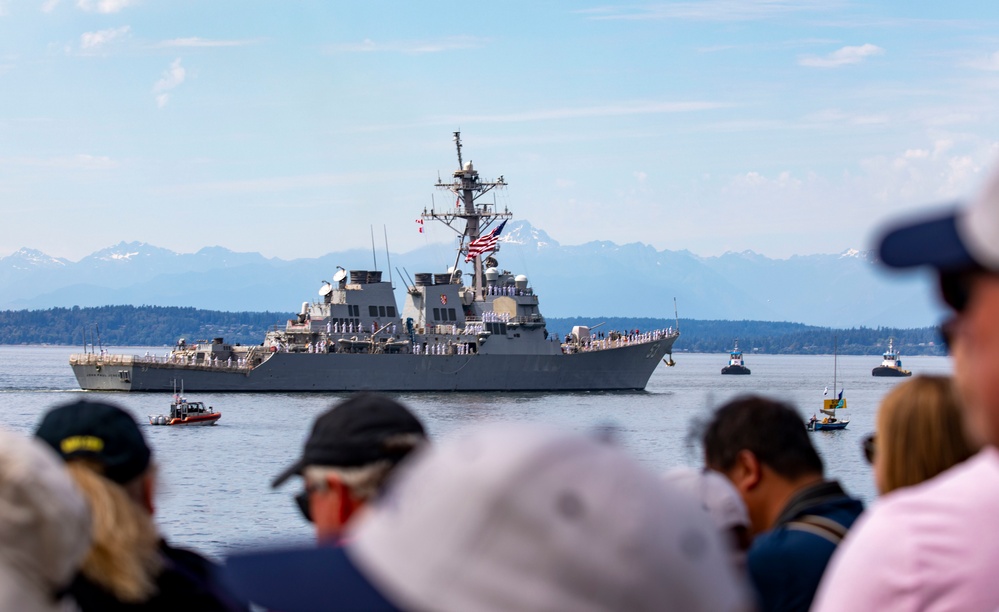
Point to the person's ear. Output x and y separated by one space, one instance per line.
347 503
746 472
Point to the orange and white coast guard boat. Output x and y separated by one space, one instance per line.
183 412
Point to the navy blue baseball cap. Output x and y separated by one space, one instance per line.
963 236
101 432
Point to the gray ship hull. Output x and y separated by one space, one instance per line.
622 368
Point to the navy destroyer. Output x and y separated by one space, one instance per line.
486 335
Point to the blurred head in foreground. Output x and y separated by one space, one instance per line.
762 446
347 459
919 433
962 246
129 565
111 463
44 526
511 518
721 501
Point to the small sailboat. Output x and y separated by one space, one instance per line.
892 364
832 418
736 364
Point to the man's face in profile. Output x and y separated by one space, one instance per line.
974 345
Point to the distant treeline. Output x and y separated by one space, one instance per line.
133 325
163 325
770 337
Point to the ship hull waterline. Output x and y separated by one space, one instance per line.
885 371
624 368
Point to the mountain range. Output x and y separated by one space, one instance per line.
597 279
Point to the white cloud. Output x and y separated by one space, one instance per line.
3 8
450 43
989 62
841 57
80 161
609 110
195 41
103 6
172 78
640 176
49 5
755 180
709 10
93 40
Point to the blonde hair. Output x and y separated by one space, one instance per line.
124 558
919 432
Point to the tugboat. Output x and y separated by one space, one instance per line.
829 409
892 365
736 365
183 412
460 330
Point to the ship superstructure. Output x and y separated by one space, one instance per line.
485 335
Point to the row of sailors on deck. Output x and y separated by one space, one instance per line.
511 291
212 361
441 348
350 327
599 345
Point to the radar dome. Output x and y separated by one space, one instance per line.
521 282
492 274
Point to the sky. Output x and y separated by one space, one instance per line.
294 129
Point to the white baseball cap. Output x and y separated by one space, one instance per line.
512 517
959 238
718 496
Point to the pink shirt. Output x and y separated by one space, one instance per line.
934 546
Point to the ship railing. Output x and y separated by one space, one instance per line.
93 359
622 340
523 319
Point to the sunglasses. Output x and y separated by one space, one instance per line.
302 501
947 332
869 445
957 288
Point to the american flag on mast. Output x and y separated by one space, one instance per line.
485 243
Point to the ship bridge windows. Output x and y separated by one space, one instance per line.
381 311
445 314
496 328
353 310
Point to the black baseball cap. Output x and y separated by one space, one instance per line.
356 432
102 432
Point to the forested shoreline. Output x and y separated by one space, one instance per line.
111 326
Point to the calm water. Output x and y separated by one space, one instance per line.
214 491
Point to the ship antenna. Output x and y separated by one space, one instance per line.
676 313
388 257
457 142
373 255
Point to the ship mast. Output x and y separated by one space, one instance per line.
467 187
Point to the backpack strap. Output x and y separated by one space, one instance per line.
821 526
